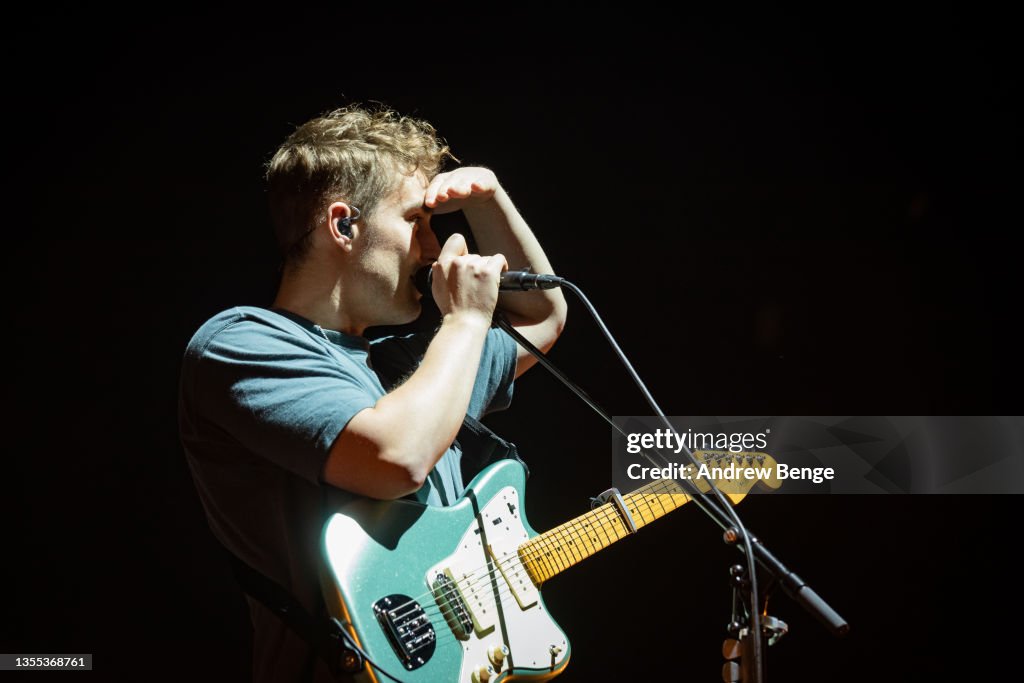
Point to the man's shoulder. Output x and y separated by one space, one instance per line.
242 324
416 342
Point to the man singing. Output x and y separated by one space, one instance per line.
285 409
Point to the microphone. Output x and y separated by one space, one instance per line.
511 280
523 280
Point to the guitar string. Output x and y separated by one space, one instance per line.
542 544
501 595
565 553
477 575
545 542
555 550
504 590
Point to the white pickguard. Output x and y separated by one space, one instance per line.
515 617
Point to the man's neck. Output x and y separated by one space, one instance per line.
317 298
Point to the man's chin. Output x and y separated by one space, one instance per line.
406 308
406 316
415 312
409 314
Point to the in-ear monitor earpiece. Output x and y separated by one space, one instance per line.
345 224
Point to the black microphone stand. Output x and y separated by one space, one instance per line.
747 611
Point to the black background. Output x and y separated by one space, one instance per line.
778 213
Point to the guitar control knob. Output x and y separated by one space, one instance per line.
482 674
497 654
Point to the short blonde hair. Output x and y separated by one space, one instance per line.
350 154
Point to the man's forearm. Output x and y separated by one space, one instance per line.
422 416
499 229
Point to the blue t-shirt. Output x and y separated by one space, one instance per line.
263 396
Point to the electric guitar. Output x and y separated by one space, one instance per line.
452 593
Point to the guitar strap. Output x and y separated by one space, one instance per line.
481 446
325 637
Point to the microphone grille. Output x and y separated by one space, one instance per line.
423 278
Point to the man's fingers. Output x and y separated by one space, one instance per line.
457 191
450 186
453 246
456 263
437 187
497 264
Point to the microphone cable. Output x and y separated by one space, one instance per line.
524 280
729 513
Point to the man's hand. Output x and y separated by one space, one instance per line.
466 283
460 188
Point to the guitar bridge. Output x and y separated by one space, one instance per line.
407 628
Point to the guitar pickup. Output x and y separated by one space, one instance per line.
468 597
516 577
453 607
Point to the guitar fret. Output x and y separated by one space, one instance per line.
568 544
594 531
552 552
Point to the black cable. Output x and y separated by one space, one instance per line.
699 498
729 512
351 642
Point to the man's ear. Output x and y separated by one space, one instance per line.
341 217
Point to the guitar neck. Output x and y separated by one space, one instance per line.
556 550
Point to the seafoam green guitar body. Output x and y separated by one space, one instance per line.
439 593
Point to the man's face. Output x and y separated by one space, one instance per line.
394 243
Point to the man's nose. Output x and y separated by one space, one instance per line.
430 248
